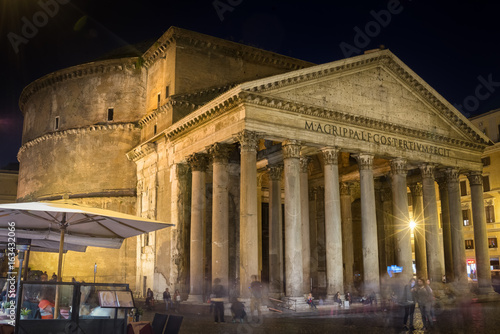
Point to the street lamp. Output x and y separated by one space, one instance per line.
413 224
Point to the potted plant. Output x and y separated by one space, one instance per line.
5 305
25 313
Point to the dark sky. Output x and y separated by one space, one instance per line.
454 46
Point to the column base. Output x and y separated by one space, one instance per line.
300 303
194 299
488 292
275 295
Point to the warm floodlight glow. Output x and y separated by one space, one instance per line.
412 224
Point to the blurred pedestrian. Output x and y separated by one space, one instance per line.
256 295
408 301
219 292
177 300
167 298
423 296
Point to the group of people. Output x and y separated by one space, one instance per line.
172 303
418 292
336 299
237 307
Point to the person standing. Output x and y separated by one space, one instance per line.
177 300
167 298
256 296
423 296
409 303
433 299
149 299
218 291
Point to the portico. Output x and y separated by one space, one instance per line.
287 133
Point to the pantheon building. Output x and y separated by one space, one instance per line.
313 177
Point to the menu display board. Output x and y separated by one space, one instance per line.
116 299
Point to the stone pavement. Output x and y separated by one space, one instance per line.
471 317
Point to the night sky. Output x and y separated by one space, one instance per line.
454 46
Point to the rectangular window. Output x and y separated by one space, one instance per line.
154 130
486 183
492 243
167 91
110 114
463 188
56 123
489 213
159 99
466 217
486 161
469 244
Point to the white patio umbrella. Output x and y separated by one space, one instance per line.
67 222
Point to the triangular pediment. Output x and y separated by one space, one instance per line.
373 87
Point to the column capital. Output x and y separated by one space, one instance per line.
475 178
345 189
330 155
452 175
398 166
416 189
248 140
427 171
304 164
219 152
365 160
291 149
198 162
275 172
442 183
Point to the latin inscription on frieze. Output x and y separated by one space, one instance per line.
379 139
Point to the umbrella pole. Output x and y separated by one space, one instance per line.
26 264
59 270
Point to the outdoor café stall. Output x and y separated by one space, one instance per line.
97 308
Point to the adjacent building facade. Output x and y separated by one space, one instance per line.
488 123
267 165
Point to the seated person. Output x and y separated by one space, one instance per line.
238 310
46 309
46 303
337 298
310 301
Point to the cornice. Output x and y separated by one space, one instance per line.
141 151
207 112
167 106
346 118
245 52
235 96
183 100
253 93
78 71
76 131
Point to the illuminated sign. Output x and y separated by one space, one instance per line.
394 269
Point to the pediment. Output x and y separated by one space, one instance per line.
376 87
